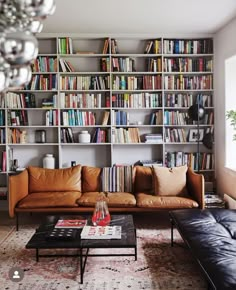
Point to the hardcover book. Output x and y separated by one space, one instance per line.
101 232
71 223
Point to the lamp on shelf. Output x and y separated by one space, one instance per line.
197 112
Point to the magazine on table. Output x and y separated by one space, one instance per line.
101 232
70 223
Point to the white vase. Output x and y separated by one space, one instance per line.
49 161
84 137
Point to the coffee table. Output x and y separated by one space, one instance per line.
128 240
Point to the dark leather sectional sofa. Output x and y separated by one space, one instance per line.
211 236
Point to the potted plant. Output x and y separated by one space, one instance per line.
231 115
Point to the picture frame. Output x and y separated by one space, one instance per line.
196 135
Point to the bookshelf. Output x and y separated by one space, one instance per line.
131 94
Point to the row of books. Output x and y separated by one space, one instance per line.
181 82
122 64
51 118
153 47
206 160
176 118
100 136
187 46
66 66
2 136
4 161
43 82
117 179
188 64
147 82
67 135
18 118
50 102
138 100
84 82
122 135
187 100
78 118
65 45
81 100
44 64
2 118
156 118
14 136
153 64
19 100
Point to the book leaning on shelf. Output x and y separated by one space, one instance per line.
70 223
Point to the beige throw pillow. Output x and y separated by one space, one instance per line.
170 181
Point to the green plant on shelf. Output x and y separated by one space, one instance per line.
231 115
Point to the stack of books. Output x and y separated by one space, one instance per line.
153 138
214 201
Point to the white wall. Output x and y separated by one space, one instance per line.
225 47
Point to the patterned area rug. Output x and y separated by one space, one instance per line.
159 266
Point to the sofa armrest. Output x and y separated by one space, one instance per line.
18 189
196 187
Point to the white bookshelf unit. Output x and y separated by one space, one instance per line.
131 94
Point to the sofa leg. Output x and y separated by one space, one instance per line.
172 232
17 222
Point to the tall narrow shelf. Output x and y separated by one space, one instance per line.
131 94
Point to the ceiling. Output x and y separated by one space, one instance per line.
140 16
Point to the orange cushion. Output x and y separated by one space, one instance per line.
170 181
143 179
91 179
165 202
50 199
45 180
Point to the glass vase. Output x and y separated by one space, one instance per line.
101 215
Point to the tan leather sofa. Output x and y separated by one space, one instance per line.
76 189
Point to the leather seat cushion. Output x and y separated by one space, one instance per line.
162 202
50 199
114 199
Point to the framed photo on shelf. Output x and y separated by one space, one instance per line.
195 135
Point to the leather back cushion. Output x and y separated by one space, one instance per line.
44 180
91 180
170 181
143 179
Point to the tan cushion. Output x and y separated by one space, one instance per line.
50 199
45 180
170 181
164 202
120 199
113 199
90 198
143 179
91 179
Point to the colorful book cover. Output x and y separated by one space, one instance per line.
72 223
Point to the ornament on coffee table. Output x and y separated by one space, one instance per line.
101 215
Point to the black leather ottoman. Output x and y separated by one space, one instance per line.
211 236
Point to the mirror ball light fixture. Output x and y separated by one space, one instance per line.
20 20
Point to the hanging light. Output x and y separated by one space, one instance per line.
19 21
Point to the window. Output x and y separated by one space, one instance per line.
230 104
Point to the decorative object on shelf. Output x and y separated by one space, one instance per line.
49 161
15 165
23 137
73 163
196 112
208 140
20 20
101 215
84 137
40 136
